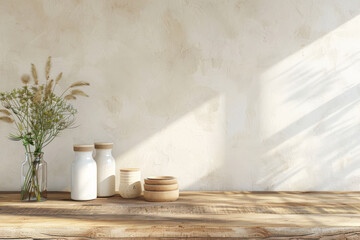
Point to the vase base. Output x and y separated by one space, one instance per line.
34 199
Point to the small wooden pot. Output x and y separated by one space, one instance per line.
161 180
161 196
169 187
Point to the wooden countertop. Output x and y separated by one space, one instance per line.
276 215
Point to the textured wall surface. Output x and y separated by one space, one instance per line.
225 95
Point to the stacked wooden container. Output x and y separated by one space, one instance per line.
161 189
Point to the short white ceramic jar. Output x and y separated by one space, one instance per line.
130 183
105 170
83 174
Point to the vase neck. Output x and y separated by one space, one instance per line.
34 157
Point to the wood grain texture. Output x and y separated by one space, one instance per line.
272 215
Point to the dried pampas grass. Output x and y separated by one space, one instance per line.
48 88
79 92
70 97
25 78
7 119
4 111
79 84
47 68
37 96
34 74
58 78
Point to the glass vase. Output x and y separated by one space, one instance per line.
34 178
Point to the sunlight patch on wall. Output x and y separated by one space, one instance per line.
310 77
310 114
171 150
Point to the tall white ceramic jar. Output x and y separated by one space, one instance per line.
83 174
105 170
130 183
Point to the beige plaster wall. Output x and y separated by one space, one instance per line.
225 95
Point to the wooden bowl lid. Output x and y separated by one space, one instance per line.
161 180
130 170
83 147
104 145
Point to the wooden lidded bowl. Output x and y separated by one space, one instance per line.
161 189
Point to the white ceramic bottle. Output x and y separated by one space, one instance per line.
130 183
84 174
105 170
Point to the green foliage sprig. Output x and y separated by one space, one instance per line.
38 113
